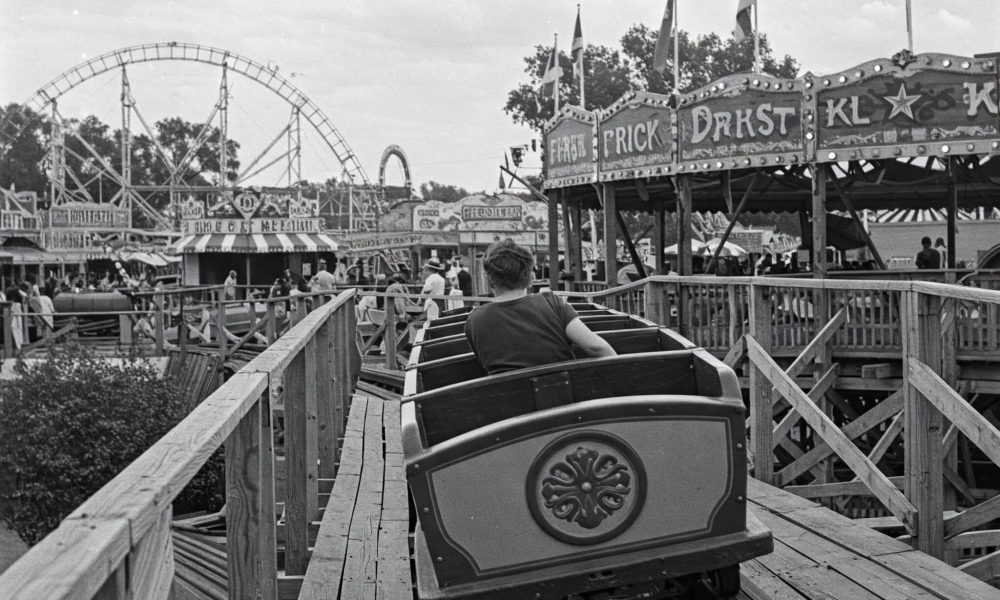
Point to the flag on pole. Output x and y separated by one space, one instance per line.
550 80
551 76
661 54
744 25
503 185
909 25
577 53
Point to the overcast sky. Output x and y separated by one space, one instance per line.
430 76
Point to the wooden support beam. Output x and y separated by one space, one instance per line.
684 231
297 516
880 371
816 345
859 225
985 568
553 244
819 222
610 235
921 324
815 394
576 217
888 438
733 214
876 415
761 405
660 238
876 481
736 353
953 167
640 267
979 514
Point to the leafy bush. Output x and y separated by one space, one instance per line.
70 423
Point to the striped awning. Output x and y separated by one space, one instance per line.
255 243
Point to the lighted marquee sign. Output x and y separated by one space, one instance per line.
739 121
569 149
481 212
635 137
252 211
907 106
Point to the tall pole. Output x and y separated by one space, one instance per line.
555 86
756 40
909 25
126 137
223 126
583 102
677 56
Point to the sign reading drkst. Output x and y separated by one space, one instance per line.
748 123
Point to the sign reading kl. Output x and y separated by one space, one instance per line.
929 104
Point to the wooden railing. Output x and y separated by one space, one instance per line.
790 338
117 544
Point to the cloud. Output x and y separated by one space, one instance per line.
954 22
879 10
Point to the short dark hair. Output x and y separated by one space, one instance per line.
926 241
508 265
939 242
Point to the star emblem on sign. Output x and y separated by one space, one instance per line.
901 102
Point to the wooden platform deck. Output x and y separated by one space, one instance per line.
363 547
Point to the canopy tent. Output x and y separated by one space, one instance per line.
257 243
728 248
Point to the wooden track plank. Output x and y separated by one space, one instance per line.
323 576
361 563
759 583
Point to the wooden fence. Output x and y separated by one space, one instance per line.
117 544
791 338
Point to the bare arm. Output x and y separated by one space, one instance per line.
587 340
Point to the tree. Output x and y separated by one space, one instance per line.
22 155
610 73
71 423
433 190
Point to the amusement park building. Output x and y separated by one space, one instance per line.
911 131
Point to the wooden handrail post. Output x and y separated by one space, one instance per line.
389 337
353 352
761 407
158 329
326 414
340 397
297 505
271 328
8 329
924 485
654 302
267 522
243 506
125 330
182 329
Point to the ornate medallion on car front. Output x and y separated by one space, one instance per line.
586 487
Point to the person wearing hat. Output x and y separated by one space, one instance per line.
433 286
323 280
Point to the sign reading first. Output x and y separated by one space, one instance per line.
569 149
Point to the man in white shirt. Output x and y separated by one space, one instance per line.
433 286
323 280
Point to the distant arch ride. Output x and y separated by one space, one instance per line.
390 151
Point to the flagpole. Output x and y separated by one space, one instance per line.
555 90
677 56
909 24
583 102
756 40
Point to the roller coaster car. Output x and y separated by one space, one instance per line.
92 302
590 476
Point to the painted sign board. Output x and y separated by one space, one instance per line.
569 149
481 212
88 215
635 137
751 240
740 121
907 106
251 211
371 242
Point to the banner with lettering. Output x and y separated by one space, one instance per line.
251 211
906 106
740 121
481 212
569 149
635 137
88 215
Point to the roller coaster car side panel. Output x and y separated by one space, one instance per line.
599 479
